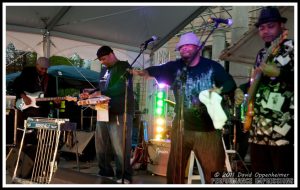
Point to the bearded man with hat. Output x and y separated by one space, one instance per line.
271 126
199 135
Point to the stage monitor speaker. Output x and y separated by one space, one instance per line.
158 151
84 145
25 165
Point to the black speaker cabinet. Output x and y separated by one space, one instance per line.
25 165
83 145
11 126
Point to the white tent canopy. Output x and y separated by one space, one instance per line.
51 29
59 46
123 27
67 48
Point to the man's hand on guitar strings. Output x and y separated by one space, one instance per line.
238 96
270 70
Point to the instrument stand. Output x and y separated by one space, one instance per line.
233 162
181 83
124 132
233 147
125 75
77 152
45 163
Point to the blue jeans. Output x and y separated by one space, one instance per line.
109 146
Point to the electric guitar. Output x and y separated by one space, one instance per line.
38 97
256 76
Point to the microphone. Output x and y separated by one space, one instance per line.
228 21
152 39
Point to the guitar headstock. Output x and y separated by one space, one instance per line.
70 98
284 34
276 43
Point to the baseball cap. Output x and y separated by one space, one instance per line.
104 50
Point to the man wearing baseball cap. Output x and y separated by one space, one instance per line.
109 135
196 74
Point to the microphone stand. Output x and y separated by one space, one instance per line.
143 47
180 132
181 79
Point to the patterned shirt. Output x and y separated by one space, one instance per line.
273 121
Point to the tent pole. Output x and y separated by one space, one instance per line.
56 84
46 44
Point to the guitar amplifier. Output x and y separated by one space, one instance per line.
10 102
158 151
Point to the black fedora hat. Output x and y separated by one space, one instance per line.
269 14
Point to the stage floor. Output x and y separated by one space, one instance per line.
85 172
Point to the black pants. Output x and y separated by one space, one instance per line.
268 159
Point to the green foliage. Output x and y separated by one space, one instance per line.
59 60
31 58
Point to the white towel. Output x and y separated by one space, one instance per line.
212 101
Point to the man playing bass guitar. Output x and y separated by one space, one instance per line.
271 97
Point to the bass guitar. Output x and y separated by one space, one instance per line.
39 97
272 51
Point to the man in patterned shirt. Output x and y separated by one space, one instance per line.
272 129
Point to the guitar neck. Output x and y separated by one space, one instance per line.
254 84
271 51
49 99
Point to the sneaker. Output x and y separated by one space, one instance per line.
126 181
108 177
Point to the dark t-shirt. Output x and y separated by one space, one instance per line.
113 84
198 78
29 81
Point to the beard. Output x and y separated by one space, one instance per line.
188 56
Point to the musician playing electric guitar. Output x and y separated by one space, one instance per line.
271 92
33 80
